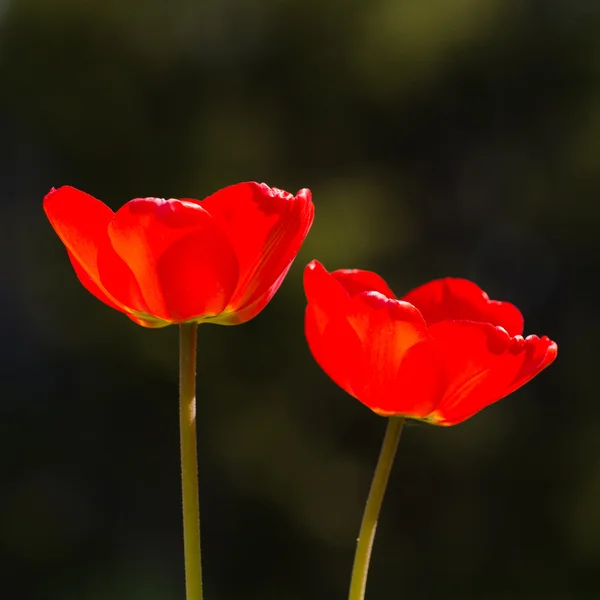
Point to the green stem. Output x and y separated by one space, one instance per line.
189 460
371 515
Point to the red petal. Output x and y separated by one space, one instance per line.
118 278
198 275
398 359
480 365
459 299
332 341
251 310
336 348
266 228
81 223
91 286
182 262
323 289
418 387
356 281
540 353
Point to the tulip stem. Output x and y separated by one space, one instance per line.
189 460
368 526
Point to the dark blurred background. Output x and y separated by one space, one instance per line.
447 137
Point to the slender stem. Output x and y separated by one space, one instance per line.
368 526
189 461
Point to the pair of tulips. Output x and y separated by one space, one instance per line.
440 354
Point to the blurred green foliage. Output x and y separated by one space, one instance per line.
449 137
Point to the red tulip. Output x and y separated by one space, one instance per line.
441 354
219 260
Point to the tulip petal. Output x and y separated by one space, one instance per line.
392 332
336 348
540 353
91 286
180 259
198 275
417 387
119 280
266 228
356 281
323 289
332 341
480 365
251 310
81 222
453 299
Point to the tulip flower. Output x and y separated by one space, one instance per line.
440 354
219 260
